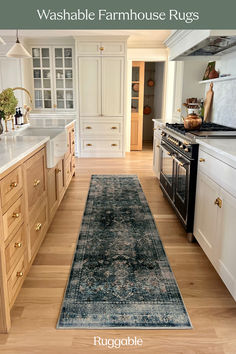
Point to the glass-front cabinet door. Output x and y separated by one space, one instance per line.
63 72
42 78
53 78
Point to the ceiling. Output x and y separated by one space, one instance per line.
135 36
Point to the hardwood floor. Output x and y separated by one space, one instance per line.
210 306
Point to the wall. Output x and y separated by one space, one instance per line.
224 100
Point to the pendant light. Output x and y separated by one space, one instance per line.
18 51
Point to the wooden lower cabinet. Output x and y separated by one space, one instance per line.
29 197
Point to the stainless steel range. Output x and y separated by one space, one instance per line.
179 157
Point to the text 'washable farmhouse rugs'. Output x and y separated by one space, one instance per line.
120 275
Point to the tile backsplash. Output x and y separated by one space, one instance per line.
224 103
224 100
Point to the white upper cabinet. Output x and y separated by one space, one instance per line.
90 86
53 78
112 86
88 48
100 48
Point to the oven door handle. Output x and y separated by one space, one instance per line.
180 163
163 147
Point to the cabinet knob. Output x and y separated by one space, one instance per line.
73 130
88 128
74 166
154 128
202 160
19 274
218 202
13 184
73 142
158 145
179 110
101 48
113 144
18 245
89 145
36 182
38 227
113 128
58 170
16 215
54 106
73 154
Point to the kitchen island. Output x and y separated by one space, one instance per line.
30 194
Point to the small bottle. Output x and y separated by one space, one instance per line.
16 117
21 117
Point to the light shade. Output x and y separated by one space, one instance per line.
18 51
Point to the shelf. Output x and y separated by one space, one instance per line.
226 78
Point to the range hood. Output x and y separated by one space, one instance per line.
200 43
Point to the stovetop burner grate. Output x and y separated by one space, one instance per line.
204 127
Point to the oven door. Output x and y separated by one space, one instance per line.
167 169
181 190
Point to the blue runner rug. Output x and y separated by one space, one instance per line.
120 276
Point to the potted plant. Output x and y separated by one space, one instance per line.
8 103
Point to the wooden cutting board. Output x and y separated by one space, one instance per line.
208 102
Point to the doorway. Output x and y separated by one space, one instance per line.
146 101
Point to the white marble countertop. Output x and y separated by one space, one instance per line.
223 149
15 148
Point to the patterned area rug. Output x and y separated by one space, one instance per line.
120 276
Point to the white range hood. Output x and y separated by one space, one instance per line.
185 44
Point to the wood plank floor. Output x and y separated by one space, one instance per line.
211 308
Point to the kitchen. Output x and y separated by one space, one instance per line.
59 78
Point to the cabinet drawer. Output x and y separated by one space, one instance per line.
219 171
35 178
38 228
16 278
101 145
91 128
13 217
11 185
15 249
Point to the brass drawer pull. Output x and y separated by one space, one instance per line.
74 166
73 130
18 245
19 274
113 144
13 184
154 128
218 202
58 170
158 145
88 128
73 154
68 172
36 182
73 142
16 215
101 48
202 160
89 145
114 128
38 227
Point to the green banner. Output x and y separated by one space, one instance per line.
122 14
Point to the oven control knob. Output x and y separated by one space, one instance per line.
163 134
181 146
186 149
